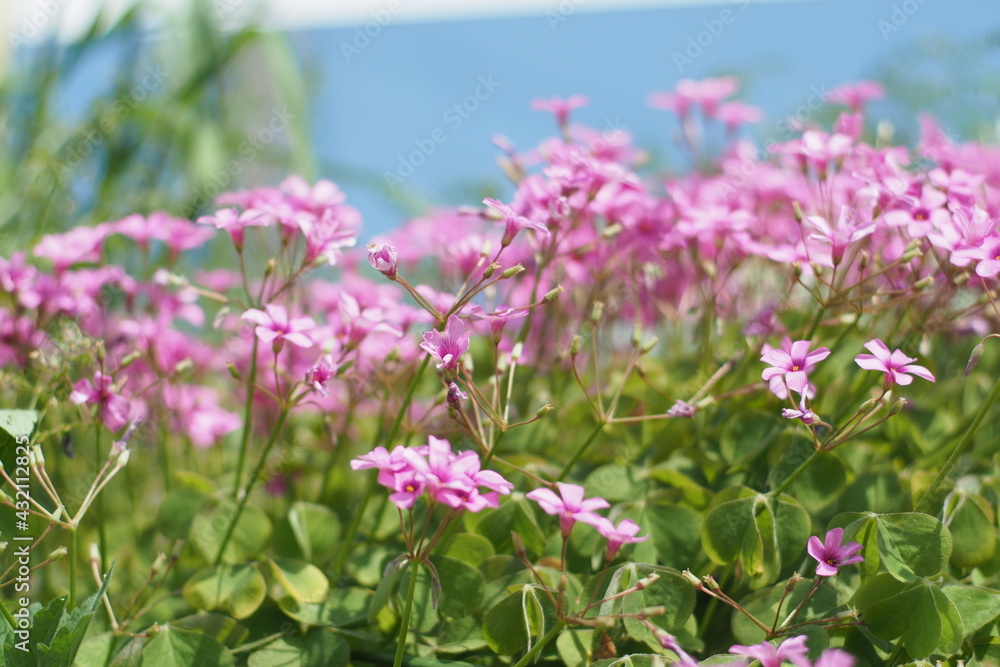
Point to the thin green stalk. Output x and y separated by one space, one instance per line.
102 534
537 648
247 418
7 615
250 483
795 473
74 556
348 539
579 452
929 494
404 625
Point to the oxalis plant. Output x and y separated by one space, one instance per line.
736 413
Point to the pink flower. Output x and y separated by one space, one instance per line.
988 254
235 223
571 507
321 373
793 361
514 222
498 319
793 650
835 657
560 108
625 533
274 326
896 366
803 412
448 478
855 95
382 257
447 347
849 228
831 554
115 409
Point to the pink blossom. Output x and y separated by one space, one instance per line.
274 326
382 258
624 533
987 253
321 373
855 95
848 229
115 409
559 107
570 507
802 412
235 223
514 222
448 347
80 244
831 554
793 362
497 319
896 365
834 657
735 114
793 650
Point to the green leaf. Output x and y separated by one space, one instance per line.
671 591
227 630
250 536
18 423
970 521
977 606
512 624
913 545
177 512
302 581
821 483
676 534
763 604
172 647
462 586
468 548
386 588
342 608
317 648
316 529
513 515
724 528
574 646
952 628
236 589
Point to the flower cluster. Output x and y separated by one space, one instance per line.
449 478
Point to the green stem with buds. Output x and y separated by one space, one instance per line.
404 625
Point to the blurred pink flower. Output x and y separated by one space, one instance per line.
570 507
275 327
449 346
793 650
115 409
624 533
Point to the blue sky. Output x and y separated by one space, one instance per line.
383 97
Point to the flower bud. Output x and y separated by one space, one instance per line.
574 346
183 366
130 359
653 611
269 269
490 270
649 345
691 579
512 271
897 407
518 546
94 553
158 565
382 258
58 553
232 370
797 211
977 354
647 581
597 312
553 294
544 410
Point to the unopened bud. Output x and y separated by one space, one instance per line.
653 611
512 271
924 283
515 354
269 269
793 581
574 346
711 583
58 553
39 456
691 579
597 311
490 270
183 366
232 370
912 254
797 211
518 545
647 581
553 294
612 231
897 407
130 359
868 405
863 260
122 459
649 345
977 354
94 553
544 410
563 581
158 565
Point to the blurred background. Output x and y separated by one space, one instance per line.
116 107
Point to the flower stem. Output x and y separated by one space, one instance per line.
102 534
7 615
404 624
251 482
579 451
929 494
795 473
74 556
537 648
348 539
247 418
